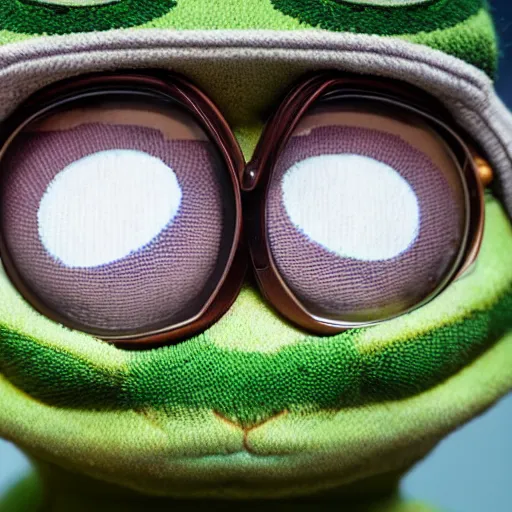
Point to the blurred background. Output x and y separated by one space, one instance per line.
471 471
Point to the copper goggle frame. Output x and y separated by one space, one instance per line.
251 181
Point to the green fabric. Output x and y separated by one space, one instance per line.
360 18
250 386
473 41
459 27
259 385
181 419
80 494
255 407
29 16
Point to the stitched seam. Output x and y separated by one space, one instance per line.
239 44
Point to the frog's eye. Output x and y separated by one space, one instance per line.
366 212
117 216
67 16
382 17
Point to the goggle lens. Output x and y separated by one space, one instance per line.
121 205
367 211
118 213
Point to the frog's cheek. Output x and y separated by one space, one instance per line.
248 412
66 16
193 453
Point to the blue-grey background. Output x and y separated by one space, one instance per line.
471 471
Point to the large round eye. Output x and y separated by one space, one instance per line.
119 217
366 212
67 16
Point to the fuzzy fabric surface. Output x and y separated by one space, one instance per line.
253 408
459 27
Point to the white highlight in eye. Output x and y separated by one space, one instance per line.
107 205
352 205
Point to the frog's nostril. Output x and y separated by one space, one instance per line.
248 426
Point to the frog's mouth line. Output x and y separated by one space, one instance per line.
246 71
291 454
125 417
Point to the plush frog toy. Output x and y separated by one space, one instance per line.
255 253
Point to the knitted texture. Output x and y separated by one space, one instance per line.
460 27
336 284
224 387
35 17
313 375
370 19
162 282
253 407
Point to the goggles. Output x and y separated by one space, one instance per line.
128 211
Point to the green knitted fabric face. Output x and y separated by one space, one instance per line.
382 18
65 16
254 406
254 396
251 366
459 27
